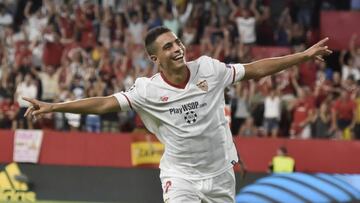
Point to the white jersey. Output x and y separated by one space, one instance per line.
189 121
246 28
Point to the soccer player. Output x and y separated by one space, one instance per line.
183 105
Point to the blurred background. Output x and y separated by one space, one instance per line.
71 49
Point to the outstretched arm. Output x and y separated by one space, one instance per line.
270 66
92 105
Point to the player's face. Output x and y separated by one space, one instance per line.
170 52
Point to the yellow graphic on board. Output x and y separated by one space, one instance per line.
13 187
145 152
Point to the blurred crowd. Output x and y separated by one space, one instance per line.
71 49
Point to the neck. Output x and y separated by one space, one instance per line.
176 78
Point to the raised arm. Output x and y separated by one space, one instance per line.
270 66
27 9
92 105
233 9
185 16
255 11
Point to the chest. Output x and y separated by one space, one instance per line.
185 107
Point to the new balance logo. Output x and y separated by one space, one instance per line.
164 98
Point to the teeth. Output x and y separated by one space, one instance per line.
178 57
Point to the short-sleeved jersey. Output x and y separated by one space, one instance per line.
189 121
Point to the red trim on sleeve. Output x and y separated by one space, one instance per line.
233 80
127 100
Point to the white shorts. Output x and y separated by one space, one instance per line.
220 188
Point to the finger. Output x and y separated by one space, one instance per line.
328 51
321 42
319 58
33 101
28 111
37 112
325 50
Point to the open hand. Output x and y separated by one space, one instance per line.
318 50
37 107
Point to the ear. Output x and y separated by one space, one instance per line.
154 58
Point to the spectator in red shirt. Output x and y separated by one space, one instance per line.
85 16
283 81
23 55
66 22
303 109
307 73
53 49
8 111
343 113
323 89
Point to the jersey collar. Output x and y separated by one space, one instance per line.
180 86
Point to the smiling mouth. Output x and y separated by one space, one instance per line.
178 57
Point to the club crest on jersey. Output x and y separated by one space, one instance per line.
203 85
190 117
